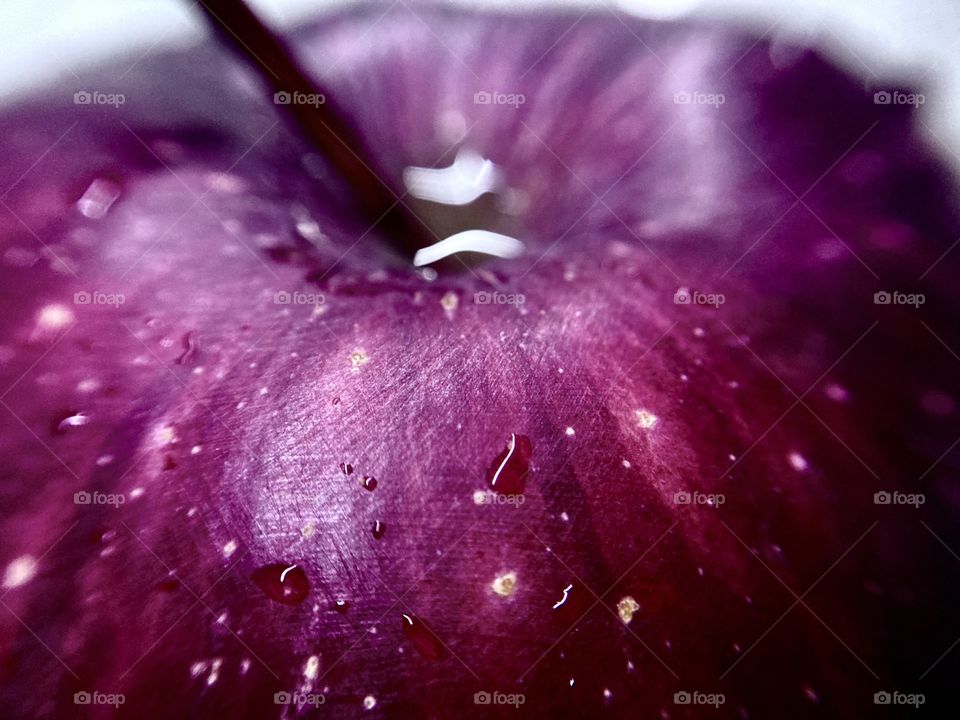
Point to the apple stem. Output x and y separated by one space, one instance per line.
322 124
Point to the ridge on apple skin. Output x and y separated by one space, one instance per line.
706 468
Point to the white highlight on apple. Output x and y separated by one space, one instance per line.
469 177
478 241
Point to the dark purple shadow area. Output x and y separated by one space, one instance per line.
706 472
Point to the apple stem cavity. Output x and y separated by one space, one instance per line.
322 124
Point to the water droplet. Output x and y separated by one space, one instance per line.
168 585
341 606
378 529
369 702
422 638
369 483
98 198
507 473
346 468
284 582
191 348
19 572
69 420
798 462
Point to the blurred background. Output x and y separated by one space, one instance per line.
912 41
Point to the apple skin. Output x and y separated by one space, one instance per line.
222 416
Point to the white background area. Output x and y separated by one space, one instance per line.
906 40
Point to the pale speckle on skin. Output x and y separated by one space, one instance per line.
449 302
358 358
136 492
214 671
837 393
87 386
19 572
166 435
607 694
479 497
699 332
197 668
312 668
626 609
570 432
244 666
564 517
505 585
264 391
798 462
230 548
54 317
645 419
307 531
573 681
196 449
626 464
369 702
104 460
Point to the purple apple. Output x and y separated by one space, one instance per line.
686 383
